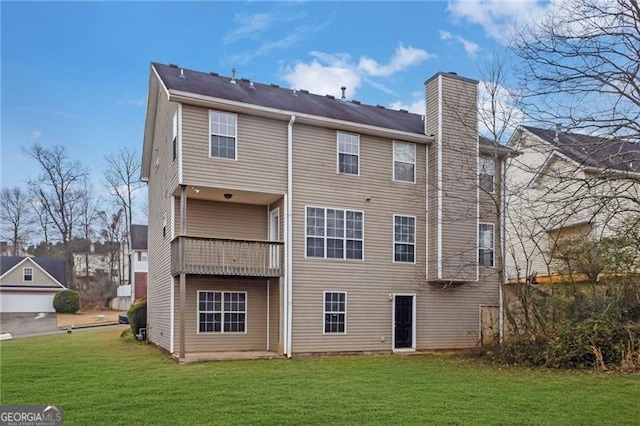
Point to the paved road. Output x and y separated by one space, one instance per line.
27 325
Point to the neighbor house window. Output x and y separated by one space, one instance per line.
404 239
27 274
222 312
335 306
486 170
143 256
404 162
222 129
174 143
348 153
485 244
334 233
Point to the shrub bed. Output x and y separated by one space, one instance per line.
66 302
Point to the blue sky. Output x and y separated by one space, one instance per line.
76 73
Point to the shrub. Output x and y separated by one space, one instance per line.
66 302
137 315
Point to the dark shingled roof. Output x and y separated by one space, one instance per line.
139 237
55 266
272 96
488 146
594 151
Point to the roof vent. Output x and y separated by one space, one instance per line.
215 74
558 129
344 89
246 80
452 73
355 102
173 65
233 75
181 73
403 110
251 86
275 85
330 96
380 106
294 92
303 91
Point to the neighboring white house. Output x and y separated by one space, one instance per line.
28 284
137 287
565 185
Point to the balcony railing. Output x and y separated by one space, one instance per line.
216 256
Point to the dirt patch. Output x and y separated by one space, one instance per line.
88 318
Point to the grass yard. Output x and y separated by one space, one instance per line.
101 380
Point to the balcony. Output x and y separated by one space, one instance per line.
225 257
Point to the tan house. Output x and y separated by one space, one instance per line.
29 284
564 186
294 223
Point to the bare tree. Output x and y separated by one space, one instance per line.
111 231
122 175
580 66
88 216
16 217
58 190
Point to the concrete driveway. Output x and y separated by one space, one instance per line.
28 324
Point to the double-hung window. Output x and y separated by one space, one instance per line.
486 244
222 312
348 153
335 311
404 239
223 134
27 274
486 170
404 162
334 233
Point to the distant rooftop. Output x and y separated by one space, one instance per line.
593 151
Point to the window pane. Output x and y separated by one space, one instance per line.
315 222
354 249
404 172
486 183
348 164
335 223
223 147
404 152
315 247
335 249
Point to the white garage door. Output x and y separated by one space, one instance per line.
26 302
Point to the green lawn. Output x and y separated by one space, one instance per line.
100 379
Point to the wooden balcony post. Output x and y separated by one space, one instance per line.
181 256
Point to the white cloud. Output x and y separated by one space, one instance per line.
418 107
470 47
402 58
326 72
250 27
498 17
35 134
498 114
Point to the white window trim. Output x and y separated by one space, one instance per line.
344 258
324 312
235 136
393 239
338 153
24 271
174 139
493 175
415 160
493 248
222 312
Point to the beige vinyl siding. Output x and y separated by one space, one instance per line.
162 181
367 282
261 163
224 219
275 315
40 278
255 338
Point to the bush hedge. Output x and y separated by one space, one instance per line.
66 302
137 315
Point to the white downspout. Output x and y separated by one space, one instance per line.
289 238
